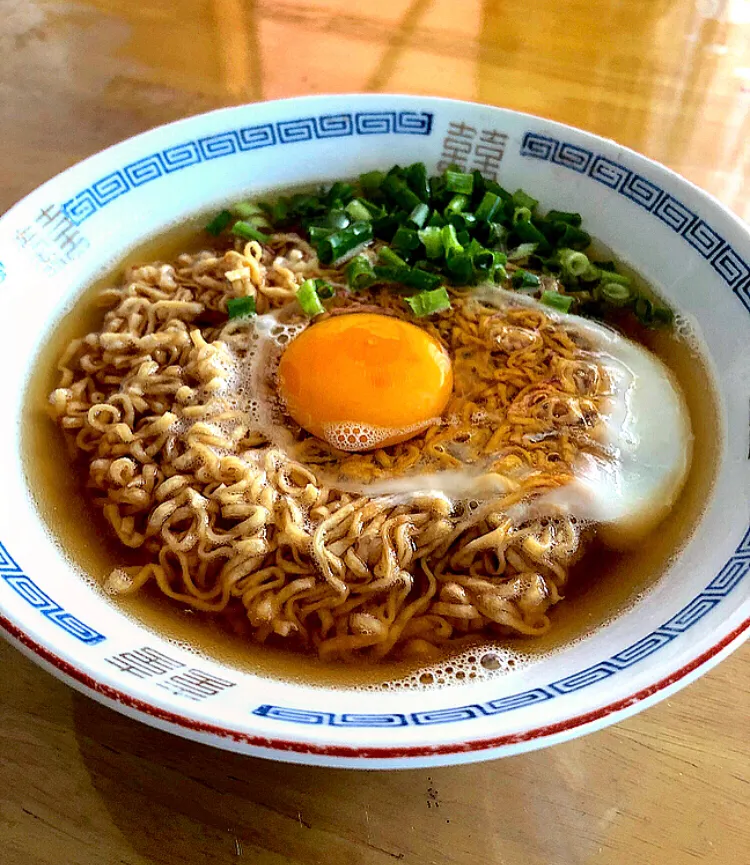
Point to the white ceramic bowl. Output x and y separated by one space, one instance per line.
679 238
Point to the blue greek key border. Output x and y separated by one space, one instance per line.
24 586
728 578
105 190
724 259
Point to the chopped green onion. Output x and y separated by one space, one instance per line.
483 260
615 293
219 223
429 302
316 233
613 276
524 279
338 219
457 181
432 238
573 219
464 221
497 234
389 257
521 214
405 240
239 307
522 251
308 299
398 190
325 290
574 263
574 238
521 199
456 205
248 232
529 233
644 310
662 316
416 176
460 267
560 302
450 239
357 211
338 244
419 215
371 181
249 211
359 273
411 276
488 207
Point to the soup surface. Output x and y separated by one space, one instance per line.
405 455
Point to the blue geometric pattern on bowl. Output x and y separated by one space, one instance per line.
728 578
233 141
724 259
32 594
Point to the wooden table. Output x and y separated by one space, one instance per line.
80 785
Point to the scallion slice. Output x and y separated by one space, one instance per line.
457 181
250 212
358 211
524 279
521 199
417 179
429 302
554 299
488 207
389 257
613 276
460 267
644 310
661 316
219 223
405 240
248 232
405 275
336 245
420 215
359 273
371 181
456 204
325 290
573 219
449 239
615 293
308 299
574 263
522 251
240 307
432 238
398 190
521 214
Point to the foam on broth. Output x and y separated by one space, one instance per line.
602 585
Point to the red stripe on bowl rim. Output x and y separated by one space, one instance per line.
285 745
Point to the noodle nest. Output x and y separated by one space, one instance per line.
282 537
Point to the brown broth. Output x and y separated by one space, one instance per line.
602 585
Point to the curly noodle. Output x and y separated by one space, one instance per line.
228 521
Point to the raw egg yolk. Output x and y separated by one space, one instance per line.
363 380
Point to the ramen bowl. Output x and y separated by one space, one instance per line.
696 253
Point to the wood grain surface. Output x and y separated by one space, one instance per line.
81 785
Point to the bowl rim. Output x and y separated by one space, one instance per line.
427 754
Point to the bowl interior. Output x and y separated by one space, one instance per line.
59 238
